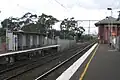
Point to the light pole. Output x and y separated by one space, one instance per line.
110 10
110 35
118 16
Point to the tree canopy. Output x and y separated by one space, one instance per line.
43 24
70 28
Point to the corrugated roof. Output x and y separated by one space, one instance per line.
108 20
25 32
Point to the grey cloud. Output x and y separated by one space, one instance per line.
93 4
80 3
103 4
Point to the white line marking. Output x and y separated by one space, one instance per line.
66 75
18 52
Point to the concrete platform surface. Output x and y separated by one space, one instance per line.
105 65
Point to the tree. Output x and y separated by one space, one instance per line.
15 24
28 18
11 23
31 23
27 21
79 31
70 28
47 21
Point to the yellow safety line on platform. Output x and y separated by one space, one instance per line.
85 70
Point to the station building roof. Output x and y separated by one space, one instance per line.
25 32
107 21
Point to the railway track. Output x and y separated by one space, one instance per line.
20 70
44 75
26 62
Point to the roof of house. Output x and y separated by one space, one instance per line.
25 32
108 20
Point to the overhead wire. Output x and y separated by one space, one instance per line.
60 4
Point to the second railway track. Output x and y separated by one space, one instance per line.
20 72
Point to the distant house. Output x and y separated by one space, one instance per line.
108 27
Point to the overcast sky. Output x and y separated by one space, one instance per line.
80 9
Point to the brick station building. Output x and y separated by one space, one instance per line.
108 27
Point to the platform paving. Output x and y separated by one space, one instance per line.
105 65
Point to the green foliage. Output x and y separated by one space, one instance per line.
28 18
43 24
47 21
30 22
15 24
10 23
70 29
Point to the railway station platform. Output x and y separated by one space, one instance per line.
103 63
